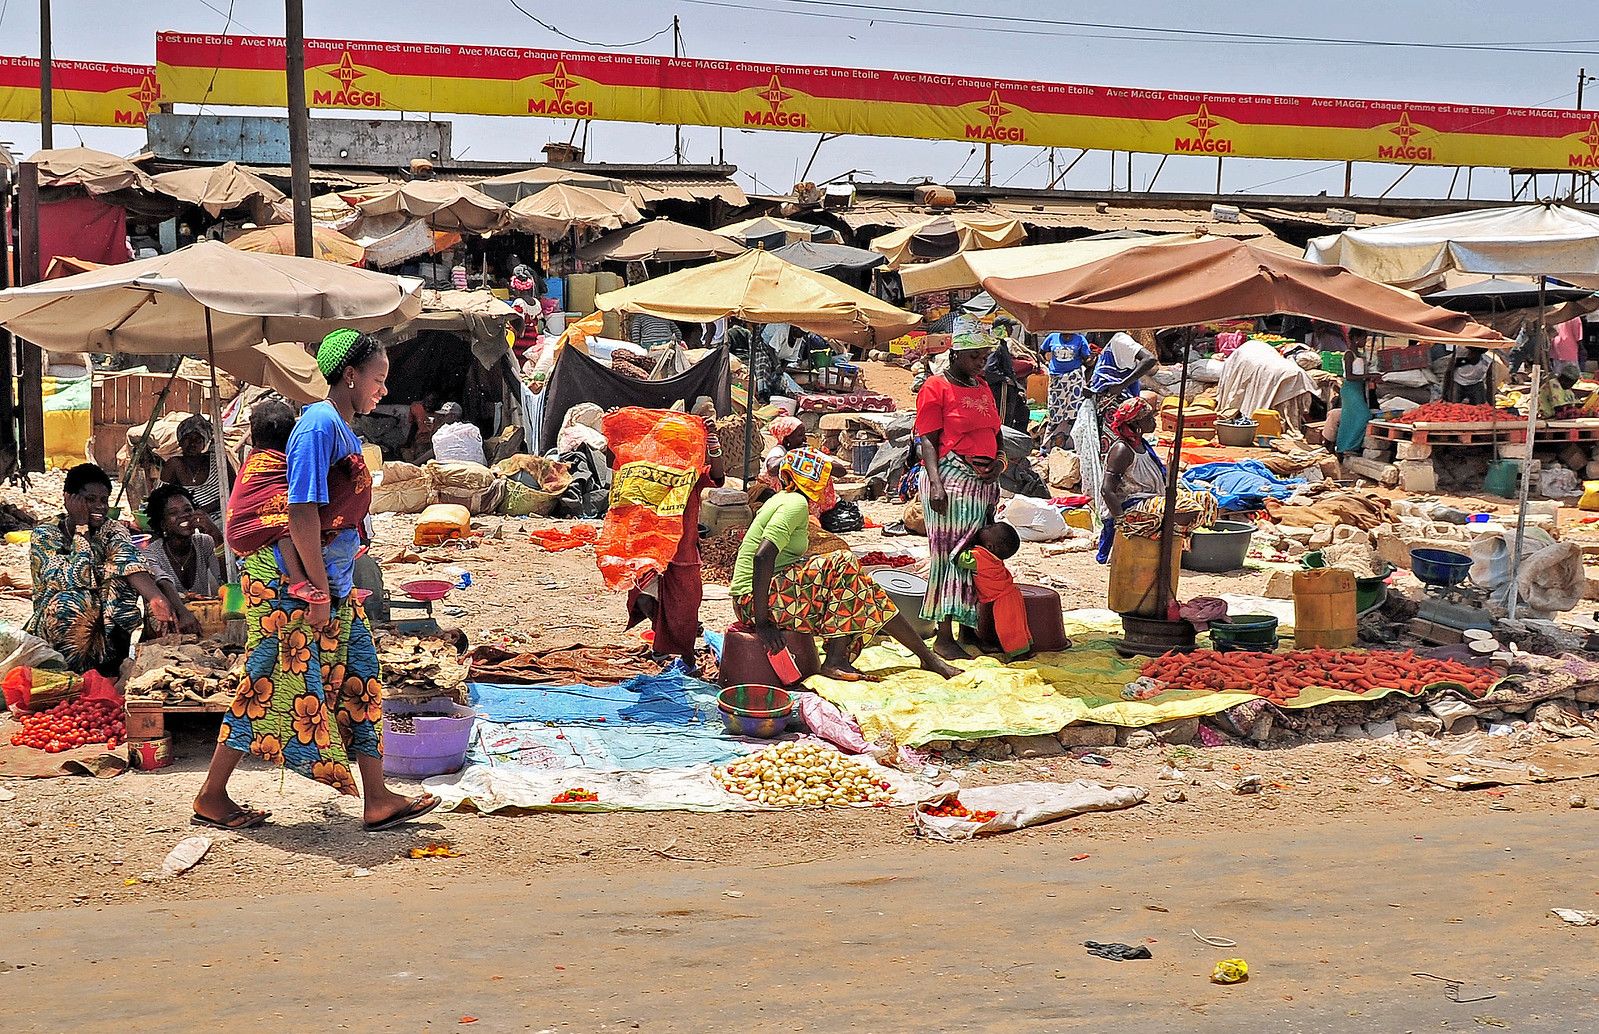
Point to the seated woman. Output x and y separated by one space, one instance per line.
182 558
777 588
88 578
194 468
789 434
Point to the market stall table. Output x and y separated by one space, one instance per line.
1440 433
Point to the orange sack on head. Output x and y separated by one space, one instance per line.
659 457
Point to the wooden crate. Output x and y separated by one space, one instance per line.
1437 433
128 398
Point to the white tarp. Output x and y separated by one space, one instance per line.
1019 805
1529 240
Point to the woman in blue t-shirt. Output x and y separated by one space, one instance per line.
1068 356
310 697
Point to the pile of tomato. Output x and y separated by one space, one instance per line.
576 795
877 558
952 808
72 723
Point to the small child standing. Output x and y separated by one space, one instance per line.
986 552
258 507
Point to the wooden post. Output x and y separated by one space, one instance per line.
47 133
299 128
1349 177
30 373
1168 529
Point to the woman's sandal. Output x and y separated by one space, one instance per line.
305 592
414 809
239 818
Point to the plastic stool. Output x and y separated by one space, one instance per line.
1044 620
744 660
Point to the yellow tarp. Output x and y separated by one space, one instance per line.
1032 697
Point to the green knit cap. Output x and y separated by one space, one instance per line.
335 348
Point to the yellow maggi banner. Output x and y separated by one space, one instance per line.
83 93
479 80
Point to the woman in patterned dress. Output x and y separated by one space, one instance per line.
310 698
777 587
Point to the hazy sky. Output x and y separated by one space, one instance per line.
873 34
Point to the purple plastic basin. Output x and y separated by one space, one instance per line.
437 746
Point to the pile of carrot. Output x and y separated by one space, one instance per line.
1453 413
1279 677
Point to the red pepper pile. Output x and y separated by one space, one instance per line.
576 795
952 808
1279 677
69 724
880 559
1452 413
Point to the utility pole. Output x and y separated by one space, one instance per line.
677 51
1582 80
47 131
299 126
988 165
30 379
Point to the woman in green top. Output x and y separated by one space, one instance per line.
777 588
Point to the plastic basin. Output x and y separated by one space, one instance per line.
1439 566
1244 632
427 590
438 745
1236 433
758 711
1219 548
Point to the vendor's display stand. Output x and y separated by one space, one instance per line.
1156 287
1541 240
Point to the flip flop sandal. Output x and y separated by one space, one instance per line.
250 816
418 807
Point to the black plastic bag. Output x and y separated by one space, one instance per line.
842 518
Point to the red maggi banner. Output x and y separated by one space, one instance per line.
84 93
483 80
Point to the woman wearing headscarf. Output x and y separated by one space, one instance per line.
194 468
778 586
88 579
311 697
789 434
959 429
1121 364
1354 397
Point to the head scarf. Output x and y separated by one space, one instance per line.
1127 415
196 424
781 427
335 348
972 342
807 470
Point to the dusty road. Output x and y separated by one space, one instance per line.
1333 920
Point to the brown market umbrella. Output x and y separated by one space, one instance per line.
445 206
220 188
562 208
659 240
1154 287
97 172
514 186
327 244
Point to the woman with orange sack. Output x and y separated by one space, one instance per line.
310 697
671 600
777 587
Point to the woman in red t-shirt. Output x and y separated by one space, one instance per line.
959 428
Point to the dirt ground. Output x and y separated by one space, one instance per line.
1338 881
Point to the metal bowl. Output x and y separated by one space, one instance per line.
758 711
1439 566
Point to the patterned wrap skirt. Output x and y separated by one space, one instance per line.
1065 395
826 595
308 700
951 589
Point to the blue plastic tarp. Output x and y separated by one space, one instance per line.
1240 484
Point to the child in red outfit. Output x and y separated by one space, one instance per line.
987 551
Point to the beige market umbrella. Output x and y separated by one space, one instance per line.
559 209
514 186
230 300
659 240
759 287
285 367
940 236
772 233
327 244
444 205
226 186
95 171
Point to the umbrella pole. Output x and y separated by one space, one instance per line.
1540 355
1168 530
143 444
749 410
219 452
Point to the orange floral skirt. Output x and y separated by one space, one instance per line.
307 700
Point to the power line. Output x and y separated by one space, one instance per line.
228 15
587 43
1028 26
